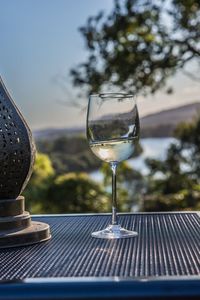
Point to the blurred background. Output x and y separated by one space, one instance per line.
55 53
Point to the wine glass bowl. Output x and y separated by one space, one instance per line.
112 132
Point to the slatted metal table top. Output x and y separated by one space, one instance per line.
167 245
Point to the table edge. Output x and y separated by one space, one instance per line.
102 288
120 214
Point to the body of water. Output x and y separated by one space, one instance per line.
152 148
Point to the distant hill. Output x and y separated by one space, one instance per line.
163 123
160 124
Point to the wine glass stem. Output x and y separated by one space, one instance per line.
114 192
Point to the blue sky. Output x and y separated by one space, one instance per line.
40 42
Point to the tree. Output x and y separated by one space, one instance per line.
178 186
48 192
36 190
173 178
76 193
139 45
69 154
129 185
189 136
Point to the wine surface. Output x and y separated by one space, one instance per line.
113 150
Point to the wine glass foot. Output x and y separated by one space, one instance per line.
114 232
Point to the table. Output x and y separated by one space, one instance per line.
162 262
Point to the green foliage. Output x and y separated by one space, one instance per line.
76 193
182 200
139 45
178 186
129 185
124 173
69 154
173 178
36 190
68 193
189 136
63 144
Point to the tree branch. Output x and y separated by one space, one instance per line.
189 47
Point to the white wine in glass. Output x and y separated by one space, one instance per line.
112 132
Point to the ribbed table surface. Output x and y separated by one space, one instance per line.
168 244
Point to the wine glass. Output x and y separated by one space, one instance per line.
112 132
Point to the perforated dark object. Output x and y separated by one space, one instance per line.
17 153
167 245
16 148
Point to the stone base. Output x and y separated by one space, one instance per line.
35 233
16 227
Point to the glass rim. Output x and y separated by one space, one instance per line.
112 95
